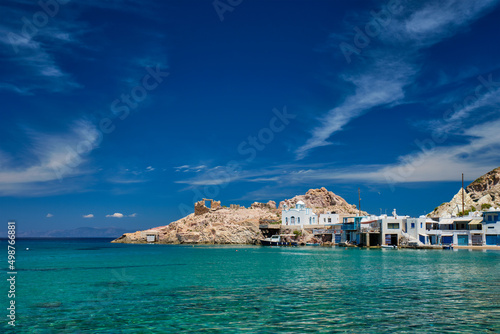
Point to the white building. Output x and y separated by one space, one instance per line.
298 216
328 218
491 226
416 228
392 228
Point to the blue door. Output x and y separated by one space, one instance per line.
492 240
422 238
463 240
447 239
337 238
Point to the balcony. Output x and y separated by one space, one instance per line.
349 226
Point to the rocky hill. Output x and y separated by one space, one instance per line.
215 224
486 189
220 226
481 194
322 201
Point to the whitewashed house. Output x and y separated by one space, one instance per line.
298 216
416 228
491 226
328 218
392 228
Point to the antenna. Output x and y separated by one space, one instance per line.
359 202
463 198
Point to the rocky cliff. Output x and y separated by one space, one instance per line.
215 224
486 189
322 201
481 194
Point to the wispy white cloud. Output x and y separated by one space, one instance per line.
133 215
474 155
49 157
481 107
189 168
131 175
49 215
439 19
115 215
32 50
382 85
88 216
378 81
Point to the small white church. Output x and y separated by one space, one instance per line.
300 215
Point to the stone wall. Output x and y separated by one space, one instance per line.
200 208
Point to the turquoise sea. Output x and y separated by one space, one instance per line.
93 286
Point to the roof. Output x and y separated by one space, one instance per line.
462 219
300 202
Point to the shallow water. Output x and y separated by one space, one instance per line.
92 286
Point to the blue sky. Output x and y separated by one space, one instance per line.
125 113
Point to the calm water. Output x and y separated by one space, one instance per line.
92 286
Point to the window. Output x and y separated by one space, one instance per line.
393 226
412 225
421 225
324 220
329 220
298 220
310 220
286 220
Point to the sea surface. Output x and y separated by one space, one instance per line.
93 286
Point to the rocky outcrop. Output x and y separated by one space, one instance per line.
269 205
223 226
236 225
321 201
481 194
486 189
454 207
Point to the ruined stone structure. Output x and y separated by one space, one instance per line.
200 208
234 206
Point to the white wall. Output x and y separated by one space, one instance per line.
323 218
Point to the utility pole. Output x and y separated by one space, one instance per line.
463 198
359 202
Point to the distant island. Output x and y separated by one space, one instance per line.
80 232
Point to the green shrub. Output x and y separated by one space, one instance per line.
485 206
464 213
